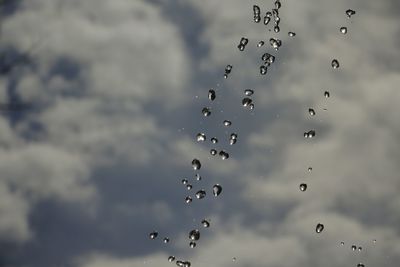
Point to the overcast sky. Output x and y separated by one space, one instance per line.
115 91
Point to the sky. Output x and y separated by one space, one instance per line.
113 94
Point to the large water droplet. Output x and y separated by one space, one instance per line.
200 194
206 112
263 70
303 187
217 189
335 64
268 58
205 223
188 199
224 155
246 101
211 94
343 30
319 228
248 92
196 164
227 123
166 240
292 34
214 140
153 235
192 244
194 235
171 258
350 12
201 137
311 111
213 152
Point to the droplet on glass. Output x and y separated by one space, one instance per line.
214 140
350 12
171 258
189 187
256 11
232 141
360 265
342 243
353 247
198 177
211 94
227 123
277 29
327 94
244 41
303 187
263 70
180 263
188 199
359 248
275 43
251 106
200 137
309 169
240 47
213 152
206 112
187 264
374 240
205 223
248 92
192 244
166 240
335 64
309 134
234 259
311 111
319 228
228 70
224 155
292 34
267 20
234 135
153 235
278 4
194 235
196 164
260 43
246 101
343 30
184 181
217 189
200 194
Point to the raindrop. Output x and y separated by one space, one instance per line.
192 244
343 30
359 248
227 123
353 247
263 70
234 136
327 94
310 169
360 265
275 43
187 264
260 43
194 235
224 155
309 134
319 228
213 152
211 94
278 4
303 187
374 240
206 112
342 243
248 92
256 11
268 58
246 101
214 140
166 240
153 235
205 223
275 12
188 199
189 187
335 64
244 41
201 137
184 181
277 29
200 194
257 18
241 47
311 111
171 258
232 141
292 34
251 106
180 263
234 259
228 70
267 20
196 164
198 177
268 14
350 12
217 189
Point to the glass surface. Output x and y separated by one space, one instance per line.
114 151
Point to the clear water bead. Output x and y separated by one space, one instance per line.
205 223
311 111
200 194
180 263
206 111
224 155
350 12
194 235
201 137
292 34
153 235
166 240
267 20
360 265
213 152
217 189
303 187
196 164
359 248
343 30
263 70
188 199
327 94
232 141
275 43
248 92
227 123
184 181
309 169
335 64
171 258
260 43
198 177
277 29
214 140
189 187
319 228
246 101
353 247
192 244
211 94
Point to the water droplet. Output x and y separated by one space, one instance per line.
374 240
201 137
211 94
187 264
251 106
248 92
278 4
232 141
360 265
268 58
198 177
206 112
260 43
268 14
200 194
256 11
234 136
319 228
303 187
292 34
224 155
275 43
342 243
228 70
310 169
335 63
246 101
180 264
194 235
353 247
234 259
243 43
171 258
267 20
350 12
263 70
311 111
184 181
214 140
277 29
189 187
153 235
217 189
166 240
241 47
309 134
327 94
196 164
343 30
359 248
227 123
205 223
192 244
188 199
213 152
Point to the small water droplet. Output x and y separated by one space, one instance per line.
188 199
263 70
335 64
350 12
359 248
194 235
213 152
246 101
251 106
342 243
327 94
244 41
187 264
277 29
292 34
228 70
206 112
214 140
166 240
205 223
275 43
260 43
227 123
267 20
192 244
232 141
374 240
153 235
184 181
211 94
343 30
310 169
278 4
201 137
171 258
200 194
196 164
360 265
234 135
189 187
234 259
268 58
309 134
217 189
224 155
311 111
248 92
319 228
180 264
353 247
198 177
303 187
241 47
256 11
